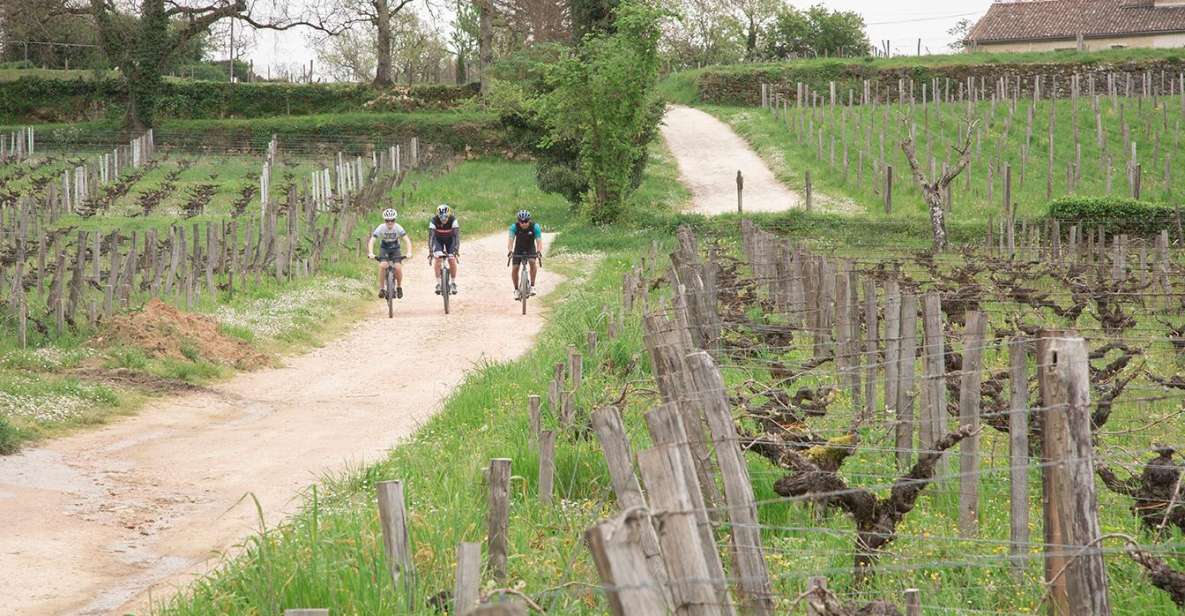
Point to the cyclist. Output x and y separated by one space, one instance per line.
391 236
526 239
444 239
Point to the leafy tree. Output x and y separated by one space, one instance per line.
706 32
816 31
754 15
602 102
464 36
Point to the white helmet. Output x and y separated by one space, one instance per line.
389 214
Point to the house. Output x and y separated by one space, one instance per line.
1043 25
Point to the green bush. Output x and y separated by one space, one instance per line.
1114 214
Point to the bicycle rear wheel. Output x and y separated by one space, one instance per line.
444 285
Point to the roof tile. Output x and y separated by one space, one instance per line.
1065 19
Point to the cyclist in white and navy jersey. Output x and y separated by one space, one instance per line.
391 237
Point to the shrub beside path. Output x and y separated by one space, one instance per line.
93 521
709 154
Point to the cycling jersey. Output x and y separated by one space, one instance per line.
524 239
389 238
444 235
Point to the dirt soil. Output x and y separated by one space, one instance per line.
709 154
97 522
164 331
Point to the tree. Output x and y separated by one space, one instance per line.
754 15
142 39
935 192
818 31
960 31
589 16
536 21
464 36
706 32
602 101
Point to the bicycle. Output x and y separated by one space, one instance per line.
446 276
525 290
391 284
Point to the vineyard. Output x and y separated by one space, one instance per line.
88 233
1115 135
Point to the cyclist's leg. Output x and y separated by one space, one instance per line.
514 263
382 274
534 271
398 265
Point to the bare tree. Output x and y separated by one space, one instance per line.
933 191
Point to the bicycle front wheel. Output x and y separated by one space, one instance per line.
445 281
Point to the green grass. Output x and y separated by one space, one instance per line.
12 74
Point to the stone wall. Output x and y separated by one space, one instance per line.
742 85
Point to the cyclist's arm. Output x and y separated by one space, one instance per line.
538 240
457 242
370 247
510 240
431 236
408 238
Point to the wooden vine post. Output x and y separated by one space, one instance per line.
1074 568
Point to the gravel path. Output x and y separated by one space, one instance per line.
94 522
709 154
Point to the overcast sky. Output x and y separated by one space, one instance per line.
902 22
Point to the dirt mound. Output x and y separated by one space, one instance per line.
164 331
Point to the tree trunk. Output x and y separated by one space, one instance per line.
485 42
382 22
461 76
933 197
751 40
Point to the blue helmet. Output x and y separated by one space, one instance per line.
524 215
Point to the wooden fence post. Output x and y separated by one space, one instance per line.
888 189
933 426
1018 454
395 537
575 367
498 520
617 551
665 424
1072 531
905 373
740 192
468 579
546 465
871 345
808 191
913 602
691 586
750 569
969 400
892 343
615 444
533 419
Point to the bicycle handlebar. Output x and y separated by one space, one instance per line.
527 256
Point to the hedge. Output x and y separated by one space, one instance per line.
37 100
478 132
1114 214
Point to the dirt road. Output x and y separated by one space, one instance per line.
710 154
91 523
